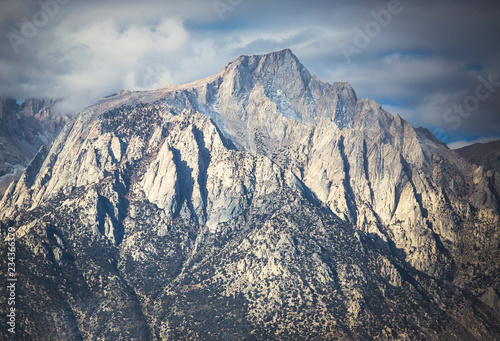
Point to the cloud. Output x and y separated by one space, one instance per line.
89 50
464 143
111 58
423 62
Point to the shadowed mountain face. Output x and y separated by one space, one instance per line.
23 130
486 155
259 203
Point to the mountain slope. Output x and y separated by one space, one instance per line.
23 130
486 155
259 203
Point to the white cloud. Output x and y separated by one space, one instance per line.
464 143
105 58
417 66
393 75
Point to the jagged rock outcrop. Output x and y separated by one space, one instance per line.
23 130
259 203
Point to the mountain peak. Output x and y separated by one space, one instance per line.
285 51
274 64
285 54
333 220
281 76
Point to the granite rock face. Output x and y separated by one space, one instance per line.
259 203
23 130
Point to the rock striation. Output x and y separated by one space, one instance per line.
259 203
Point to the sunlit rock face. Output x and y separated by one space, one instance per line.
259 203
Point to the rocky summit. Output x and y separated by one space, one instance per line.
257 204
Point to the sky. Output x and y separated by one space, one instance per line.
435 63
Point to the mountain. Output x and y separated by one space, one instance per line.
486 155
23 130
258 203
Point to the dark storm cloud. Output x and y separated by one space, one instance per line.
421 61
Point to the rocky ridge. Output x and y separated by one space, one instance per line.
486 155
